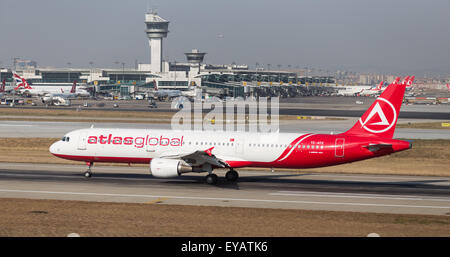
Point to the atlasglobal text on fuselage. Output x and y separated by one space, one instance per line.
171 153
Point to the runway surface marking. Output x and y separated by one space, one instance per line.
16 125
363 196
220 199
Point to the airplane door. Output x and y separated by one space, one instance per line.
82 140
150 145
239 145
339 147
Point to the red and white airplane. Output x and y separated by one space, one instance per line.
171 153
409 82
63 97
2 88
373 91
24 88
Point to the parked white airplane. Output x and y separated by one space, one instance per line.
63 97
24 88
373 91
171 153
172 93
350 90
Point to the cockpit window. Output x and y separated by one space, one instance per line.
65 139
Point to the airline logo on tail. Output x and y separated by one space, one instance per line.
378 88
74 87
409 80
448 87
2 89
381 117
20 82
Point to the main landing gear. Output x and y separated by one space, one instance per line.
88 172
231 175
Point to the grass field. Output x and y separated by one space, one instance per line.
23 217
424 125
427 157
84 115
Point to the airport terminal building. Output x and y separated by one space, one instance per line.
220 80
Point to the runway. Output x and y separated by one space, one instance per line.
285 190
58 129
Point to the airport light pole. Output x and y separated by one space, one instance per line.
68 72
123 71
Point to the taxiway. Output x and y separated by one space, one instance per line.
285 190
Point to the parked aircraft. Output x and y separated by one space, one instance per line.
23 87
63 98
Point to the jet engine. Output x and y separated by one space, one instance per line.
166 168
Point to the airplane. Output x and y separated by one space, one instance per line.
373 91
172 153
2 88
409 82
379 89
172 93
63 98
24 87
350 90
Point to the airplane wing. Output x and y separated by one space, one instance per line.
377 147
197 158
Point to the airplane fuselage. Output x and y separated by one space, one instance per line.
281 150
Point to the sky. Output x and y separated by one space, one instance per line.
385 36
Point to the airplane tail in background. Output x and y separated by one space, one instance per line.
2 89
410 81
20 82
380 119
448 87
378 88
74 87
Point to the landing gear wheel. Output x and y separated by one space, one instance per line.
88 174
232 175
211 179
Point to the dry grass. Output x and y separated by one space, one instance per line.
23 217
82 113
423 125
113 115
426 158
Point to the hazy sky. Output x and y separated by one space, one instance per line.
398 36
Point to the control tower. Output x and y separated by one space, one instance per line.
156 29
195 57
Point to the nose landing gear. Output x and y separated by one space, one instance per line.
88 172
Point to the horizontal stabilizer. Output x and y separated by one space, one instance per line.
377 147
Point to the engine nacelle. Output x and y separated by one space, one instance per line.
166 168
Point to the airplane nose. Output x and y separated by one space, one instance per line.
54 148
